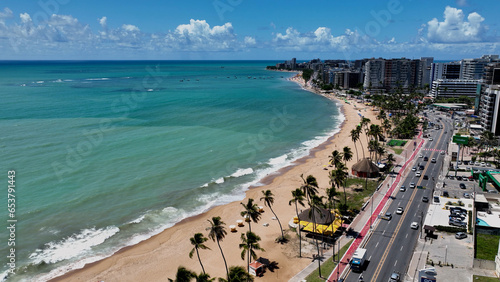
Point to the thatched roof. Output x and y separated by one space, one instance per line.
365 165
324 217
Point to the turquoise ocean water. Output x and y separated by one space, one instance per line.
107 154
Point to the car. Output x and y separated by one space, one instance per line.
457 223
466 163
414 225
442 153
462 186
420 156
402 189
460 235
446 194
483 164
394 277
459 162
426 177
425 199
459 177
488 164
418 174
412 185
433 160
400 210
436 199
493 191
476 163
467 195
414 168
430 139
426 158
421 167
387 216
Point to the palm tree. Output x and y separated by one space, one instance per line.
381 115
238 274
390 160
269 201
386 125
365 122
355 137
359 129
310 186
251 212
316 203
183 275
217 232
197 241
346 154
336 158
298 198
338 177
249 243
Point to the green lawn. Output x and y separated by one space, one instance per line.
477 278
395 142
487 246
328 266
398 151
356 200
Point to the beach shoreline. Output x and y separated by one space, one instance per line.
158 257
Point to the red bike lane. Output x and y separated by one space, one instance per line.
344 262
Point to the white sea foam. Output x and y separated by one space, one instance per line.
138 220
101 78
242 171
72 246
220 180
40 82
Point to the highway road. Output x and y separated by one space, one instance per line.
391 245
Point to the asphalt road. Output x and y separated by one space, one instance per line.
391 245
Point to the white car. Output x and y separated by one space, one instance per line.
418 174
399 210
402 189
420 156
430 139
442 152
412 185
414 169
414 225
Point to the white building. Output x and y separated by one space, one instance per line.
454 88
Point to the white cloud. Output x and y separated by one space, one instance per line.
199 36
103 22
461 2
320 40
25 18
130 28
6 14
249 41
455 28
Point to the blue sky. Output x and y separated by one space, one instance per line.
247 29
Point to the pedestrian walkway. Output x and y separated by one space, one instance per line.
362 222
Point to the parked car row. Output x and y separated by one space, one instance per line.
457 217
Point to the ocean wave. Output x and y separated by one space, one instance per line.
72 246
98 79
242 172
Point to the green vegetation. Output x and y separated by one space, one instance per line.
356 200
477 278
461 100
487 246
397 150
306 74
328 265
395 142
449 229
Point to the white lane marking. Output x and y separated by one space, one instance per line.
377 244
396 262
401 248
370 258
406 235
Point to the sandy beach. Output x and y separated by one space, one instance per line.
157 258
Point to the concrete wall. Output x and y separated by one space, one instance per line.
484 264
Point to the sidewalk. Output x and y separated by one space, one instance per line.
361 222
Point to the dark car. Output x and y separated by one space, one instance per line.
426 158
462 186
436 199
425 199
426 177
459 177
421 167
446 194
